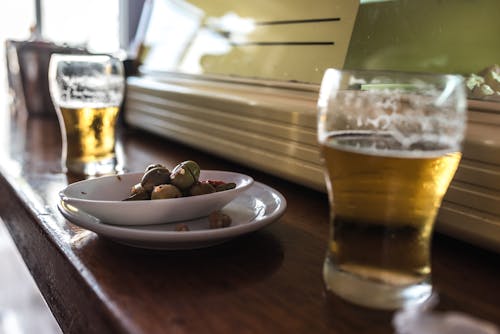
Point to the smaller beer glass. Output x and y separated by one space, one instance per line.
390 145
87 91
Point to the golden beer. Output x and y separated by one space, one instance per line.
390 145
87 91
90 135
384 200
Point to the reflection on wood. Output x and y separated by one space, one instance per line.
22 309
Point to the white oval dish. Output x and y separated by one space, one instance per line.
102 198
254 209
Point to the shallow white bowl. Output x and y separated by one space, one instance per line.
103 198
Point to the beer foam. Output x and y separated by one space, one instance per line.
384 144
407 117
86 104
90 91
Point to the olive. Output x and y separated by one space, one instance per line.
185 174
201 188
217 219
164 191
181 227
225 186
136 188
138 193
155 177
153 166
192 167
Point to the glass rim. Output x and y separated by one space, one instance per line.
419 74
333 76
84 57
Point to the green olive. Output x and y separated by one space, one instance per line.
185 174
155 177
192 167
136 188
137 193
225 186
201 188
164 191
153 166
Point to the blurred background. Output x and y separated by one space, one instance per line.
93 24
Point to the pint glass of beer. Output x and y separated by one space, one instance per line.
390 144
87 91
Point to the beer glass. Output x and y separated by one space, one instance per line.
87 91
390 145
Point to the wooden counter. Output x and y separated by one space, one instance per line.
266 282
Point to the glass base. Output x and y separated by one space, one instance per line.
374 294
94 168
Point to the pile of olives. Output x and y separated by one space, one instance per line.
159 183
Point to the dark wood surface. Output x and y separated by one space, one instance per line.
266 282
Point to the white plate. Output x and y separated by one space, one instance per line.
257 207
103 198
